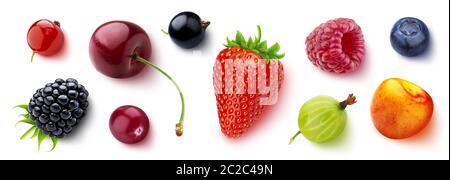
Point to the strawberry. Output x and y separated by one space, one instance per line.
239 105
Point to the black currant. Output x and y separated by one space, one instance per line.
187 30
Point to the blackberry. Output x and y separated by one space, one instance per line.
55 109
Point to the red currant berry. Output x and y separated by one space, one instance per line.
45 37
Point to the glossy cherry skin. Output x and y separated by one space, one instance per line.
112 46
45 37
129 124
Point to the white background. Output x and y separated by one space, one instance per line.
286 22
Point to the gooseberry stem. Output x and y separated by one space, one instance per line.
179 125
293 138
349 101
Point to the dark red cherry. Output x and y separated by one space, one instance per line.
121 49
113 46
129 124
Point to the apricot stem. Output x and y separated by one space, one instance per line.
349 101
179 125
293 138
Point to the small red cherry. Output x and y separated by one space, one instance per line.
45 37
129 124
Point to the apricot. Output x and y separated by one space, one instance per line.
401 109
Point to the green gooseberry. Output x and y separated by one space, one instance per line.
323 118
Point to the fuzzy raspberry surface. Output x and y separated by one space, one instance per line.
336 46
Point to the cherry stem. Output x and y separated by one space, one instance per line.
349 101
32 56
166 33
293 138
179 125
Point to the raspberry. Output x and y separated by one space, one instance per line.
336 46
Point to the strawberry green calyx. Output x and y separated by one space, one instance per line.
255 45
34 131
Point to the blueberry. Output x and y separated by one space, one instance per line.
410 37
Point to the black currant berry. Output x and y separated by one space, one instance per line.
187 30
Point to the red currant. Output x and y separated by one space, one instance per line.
45 37
129 124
